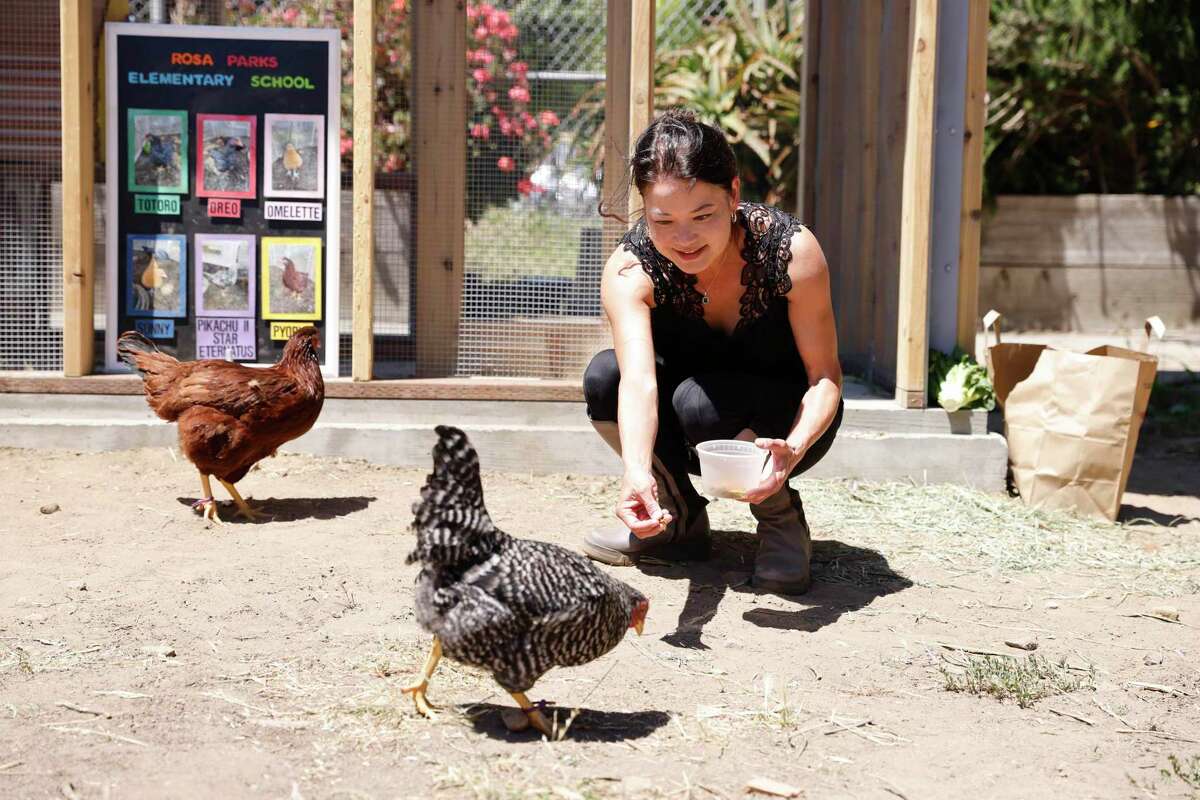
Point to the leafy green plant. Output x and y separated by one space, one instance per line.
742 75
957 382
1187 771
1174 408
1023 680
1093 96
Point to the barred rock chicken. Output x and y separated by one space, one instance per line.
512 606
231 416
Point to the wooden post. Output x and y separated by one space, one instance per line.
970 226
78 81
806 182
628 103
641 78
866 210
363 332
912 346
440 135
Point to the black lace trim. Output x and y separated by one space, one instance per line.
766 250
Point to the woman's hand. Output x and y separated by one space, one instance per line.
638 507
779 465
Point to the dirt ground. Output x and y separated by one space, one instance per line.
145 654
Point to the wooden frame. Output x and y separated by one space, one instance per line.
809 102
440 140
970 226
362 365
628 102
78 177
439 132
912 335
501 390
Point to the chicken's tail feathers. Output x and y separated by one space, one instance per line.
142 354
450 518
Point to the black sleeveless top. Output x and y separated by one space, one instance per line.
762 342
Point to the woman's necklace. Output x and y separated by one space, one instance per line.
703 291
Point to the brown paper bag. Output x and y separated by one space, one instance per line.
1072 420
1008 363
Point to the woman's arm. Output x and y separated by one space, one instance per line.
626 293
810 316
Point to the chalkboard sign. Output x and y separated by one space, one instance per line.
223 173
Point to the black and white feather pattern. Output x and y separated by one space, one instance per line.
512 606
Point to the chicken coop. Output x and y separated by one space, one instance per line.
473 144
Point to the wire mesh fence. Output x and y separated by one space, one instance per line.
30 169
530 304
535 80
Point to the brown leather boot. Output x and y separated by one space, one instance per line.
783 563
686 538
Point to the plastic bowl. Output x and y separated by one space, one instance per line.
730 467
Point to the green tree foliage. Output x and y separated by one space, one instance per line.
1093 96
743 75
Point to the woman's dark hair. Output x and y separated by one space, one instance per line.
677 145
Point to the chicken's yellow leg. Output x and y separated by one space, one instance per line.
417 690
244 508
536 718
207 502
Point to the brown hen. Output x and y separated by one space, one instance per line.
295 280
231 416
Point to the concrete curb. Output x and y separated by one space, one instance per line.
520 437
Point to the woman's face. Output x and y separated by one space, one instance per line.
689 223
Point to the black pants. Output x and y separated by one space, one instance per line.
713 405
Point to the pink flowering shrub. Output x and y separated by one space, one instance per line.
506 134
393 67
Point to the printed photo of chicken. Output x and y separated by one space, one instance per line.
225 281
158 159
514 607
227 153
295 156
291 278
230 416
156 278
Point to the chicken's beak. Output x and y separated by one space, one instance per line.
637 626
